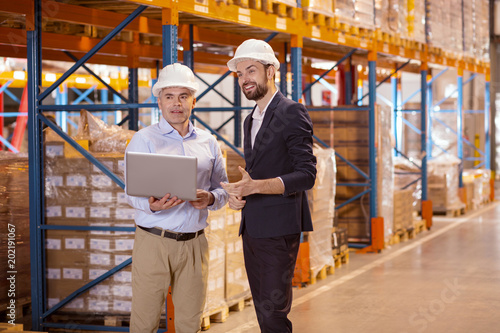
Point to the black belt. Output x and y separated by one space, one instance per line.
178 237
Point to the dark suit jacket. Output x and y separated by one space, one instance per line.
282 148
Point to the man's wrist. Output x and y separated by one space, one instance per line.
211 198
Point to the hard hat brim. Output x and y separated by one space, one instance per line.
158 86
231 64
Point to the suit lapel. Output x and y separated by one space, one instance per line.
247 143
265 123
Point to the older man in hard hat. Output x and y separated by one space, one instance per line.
280 167
161 258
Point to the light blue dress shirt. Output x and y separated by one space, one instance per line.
162 138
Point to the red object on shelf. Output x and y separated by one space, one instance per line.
22 120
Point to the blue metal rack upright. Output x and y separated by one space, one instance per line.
36 119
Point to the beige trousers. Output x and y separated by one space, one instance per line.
158 263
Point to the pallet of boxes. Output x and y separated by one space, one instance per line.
15 294
79 194
228 288
346 130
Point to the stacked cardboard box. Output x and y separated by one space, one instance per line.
237 286
78 193
324 7
401 18
339 241
358 13
322 206
215 233
14 219
443 183
347 131
403 209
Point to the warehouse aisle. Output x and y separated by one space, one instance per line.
445 280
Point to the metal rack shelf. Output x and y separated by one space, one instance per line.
143 32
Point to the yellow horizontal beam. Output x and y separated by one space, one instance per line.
324 29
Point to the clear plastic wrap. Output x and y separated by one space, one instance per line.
215 233
479 181
14 218
102 137
406 176
237 287
324 7
443 183
385 170
388 15
322 205
439 33
359 13
78 193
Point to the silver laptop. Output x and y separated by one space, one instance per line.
158 174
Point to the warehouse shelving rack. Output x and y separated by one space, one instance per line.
316 36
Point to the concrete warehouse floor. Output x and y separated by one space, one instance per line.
445 280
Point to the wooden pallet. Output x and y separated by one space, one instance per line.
279 8
313 17
451 212
341 258
399 236
72 319
322 274
218 315
22 307
419 225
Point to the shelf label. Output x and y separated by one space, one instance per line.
201 9
244 11
315 32
432 58
363 43
244 19
280 23
385 48
341 38
417 54
401 51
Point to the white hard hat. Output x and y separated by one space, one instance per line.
175 75
254 49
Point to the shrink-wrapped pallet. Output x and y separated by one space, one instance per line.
359 13
322 205
324 7
443 183
215 233
15 235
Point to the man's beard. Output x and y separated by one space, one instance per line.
258 93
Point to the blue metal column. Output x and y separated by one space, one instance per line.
118 114
372 83
283 73
425 132
430 110
133 97
104 100
296 50
395 105
487 142
170 36
460 129
188 53
237 113
36 179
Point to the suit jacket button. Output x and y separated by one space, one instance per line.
250 171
